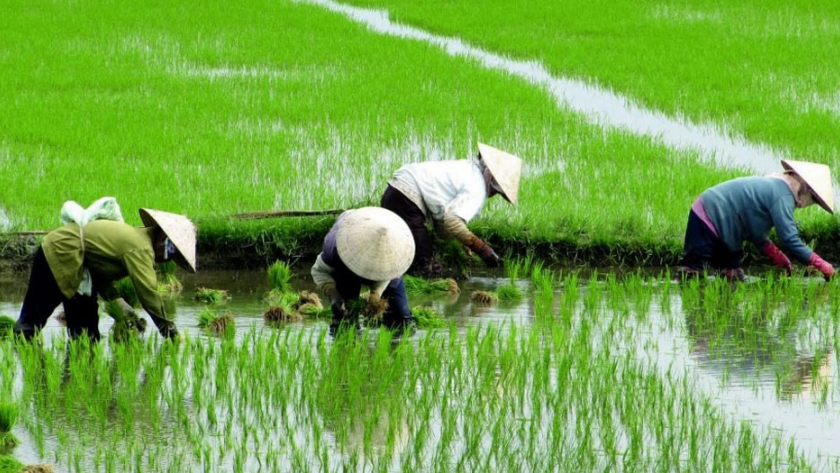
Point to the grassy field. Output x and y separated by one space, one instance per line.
216 109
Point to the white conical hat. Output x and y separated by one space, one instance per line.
179 229
818 178
505 168
375 243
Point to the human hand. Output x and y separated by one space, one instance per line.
780 260
375 306
822 265
489 256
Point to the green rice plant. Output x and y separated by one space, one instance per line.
428 317
211 296
167 279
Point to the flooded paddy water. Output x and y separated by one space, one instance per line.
586 371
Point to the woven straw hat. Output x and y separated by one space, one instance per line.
505 168
179 229
375 243
818 178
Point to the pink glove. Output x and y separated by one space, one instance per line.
826 268
779 259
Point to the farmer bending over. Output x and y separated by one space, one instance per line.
451 193
370 246
110 250
747 208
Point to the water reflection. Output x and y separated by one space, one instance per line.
753 339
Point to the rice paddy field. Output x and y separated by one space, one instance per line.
622 111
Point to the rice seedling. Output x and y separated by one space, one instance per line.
211 295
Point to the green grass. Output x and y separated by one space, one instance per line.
229 113
745 65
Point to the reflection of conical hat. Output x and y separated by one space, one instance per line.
179 229
375 243
818 178
505 168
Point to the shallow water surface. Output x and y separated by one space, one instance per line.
754 362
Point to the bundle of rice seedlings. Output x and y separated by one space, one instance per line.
280 314
9 463
280 276
167 281
211 296
375 310
8 419
509 293
38 468
416 285
307 298
428 317
217 324
6 325
125 289
315 311
484 297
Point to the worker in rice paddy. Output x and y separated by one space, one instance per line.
109 250
372 247
450 194
746 209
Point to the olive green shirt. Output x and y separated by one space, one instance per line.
111 251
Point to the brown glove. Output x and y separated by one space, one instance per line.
484 251
332 293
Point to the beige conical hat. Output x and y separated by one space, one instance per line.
375 243
179 229
505 168
818 178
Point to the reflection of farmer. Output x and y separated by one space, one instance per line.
451 193
747 208
748 344
109 250
370 246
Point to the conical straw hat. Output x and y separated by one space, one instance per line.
818 178
375 243
505 168
179 229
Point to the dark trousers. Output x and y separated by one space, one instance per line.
43 296
398 313
397 202
702 248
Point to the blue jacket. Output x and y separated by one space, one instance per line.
747 208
